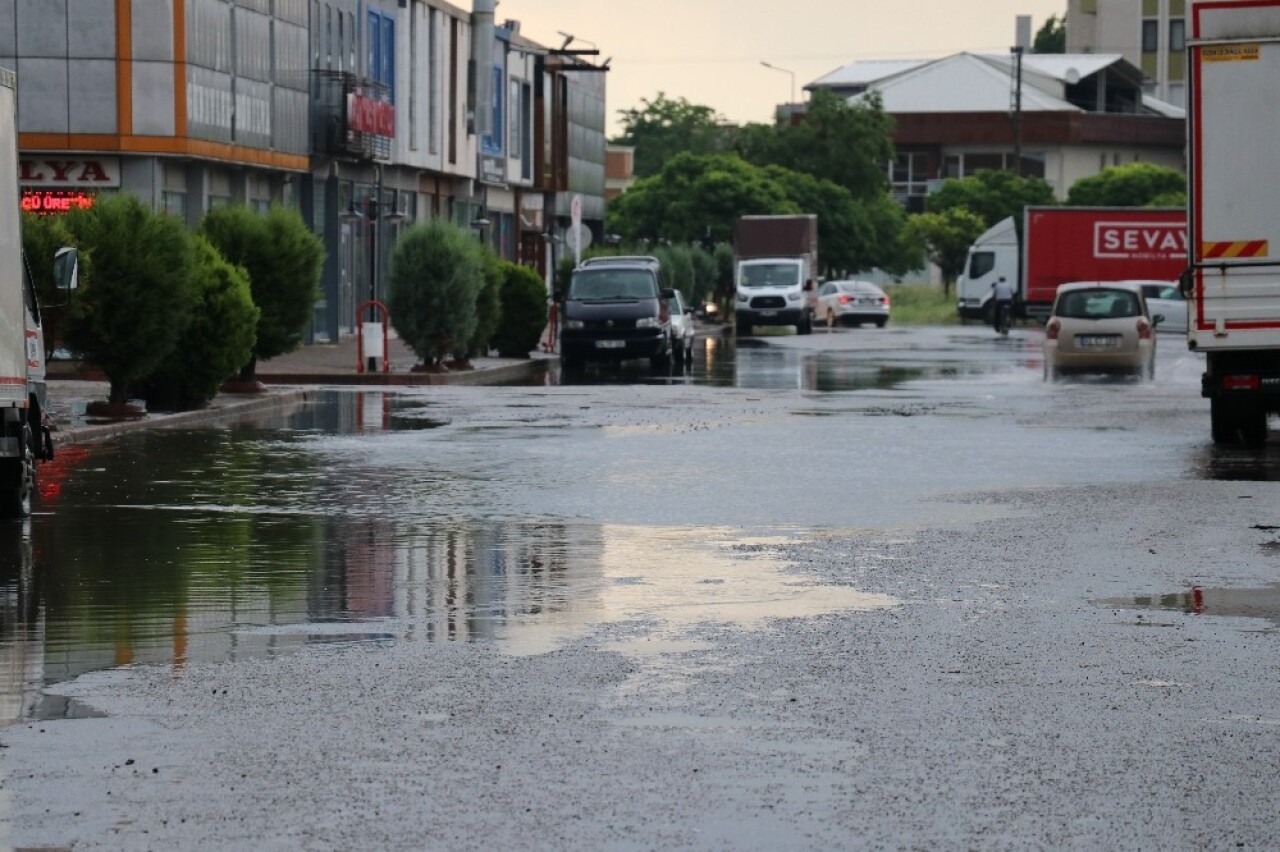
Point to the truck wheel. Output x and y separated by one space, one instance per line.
19 480
1253 427
1222 422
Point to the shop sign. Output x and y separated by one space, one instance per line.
46 201
95 172
493 170
370 115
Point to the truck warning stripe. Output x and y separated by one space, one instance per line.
1238 248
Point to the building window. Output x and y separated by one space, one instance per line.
1150 36
452 81
174 203
382 50
492 142
1177 34
433 84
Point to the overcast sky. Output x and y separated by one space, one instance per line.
710 51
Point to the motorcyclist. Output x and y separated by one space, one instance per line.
1002 304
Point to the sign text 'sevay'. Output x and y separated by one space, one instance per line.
1139 240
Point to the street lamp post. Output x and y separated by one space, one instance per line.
791 74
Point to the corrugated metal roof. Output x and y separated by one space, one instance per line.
865 72
965 82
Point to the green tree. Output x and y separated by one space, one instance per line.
128 314
693 196
217 339
1051 37
283 259
1131 185
846 235
488 309
661 128
946 238
992 195
847 144
436 273
524 311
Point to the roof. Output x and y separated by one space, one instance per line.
977 82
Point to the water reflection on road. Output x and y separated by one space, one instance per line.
171 547
383 516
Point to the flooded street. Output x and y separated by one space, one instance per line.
904 535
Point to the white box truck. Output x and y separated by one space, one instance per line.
24 435
775 271
1232 281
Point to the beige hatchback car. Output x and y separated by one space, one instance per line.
1099 327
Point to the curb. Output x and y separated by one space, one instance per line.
486 376
223 408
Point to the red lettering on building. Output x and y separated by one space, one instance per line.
370 115
44 202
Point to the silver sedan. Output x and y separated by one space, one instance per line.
852 303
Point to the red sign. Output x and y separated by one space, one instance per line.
1064 244
370 115
48 201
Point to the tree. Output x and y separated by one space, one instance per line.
1131 185
694 194
992 195
847 144
1051 37
217 339
846 235
488 309
436 273
129 313
524 311
661 128
946 238
283 259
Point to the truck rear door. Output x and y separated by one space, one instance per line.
1234 64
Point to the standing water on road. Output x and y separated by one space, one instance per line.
524 516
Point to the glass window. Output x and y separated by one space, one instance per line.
1150 36
1177 34
980 263
174 203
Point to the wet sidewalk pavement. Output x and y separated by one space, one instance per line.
286 381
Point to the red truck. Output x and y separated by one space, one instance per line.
1064 244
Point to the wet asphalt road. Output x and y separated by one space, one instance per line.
867 589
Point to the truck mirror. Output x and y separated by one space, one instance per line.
1185 282
667 293
66 269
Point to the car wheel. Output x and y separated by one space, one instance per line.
880 323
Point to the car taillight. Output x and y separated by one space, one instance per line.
1051 330
1144 328
844 300
884 300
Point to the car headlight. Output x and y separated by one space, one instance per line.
574 324
742 297
794 297
649 322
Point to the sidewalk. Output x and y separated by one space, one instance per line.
290 380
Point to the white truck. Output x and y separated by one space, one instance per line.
1232 280
775 271
24 434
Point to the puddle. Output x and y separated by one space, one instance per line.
1261 603
194 579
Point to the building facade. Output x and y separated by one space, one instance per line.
1151 34
1071 116
367 115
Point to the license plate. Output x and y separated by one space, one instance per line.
768 313
1098 340
610 344
866 301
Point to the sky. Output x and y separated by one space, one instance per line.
709 51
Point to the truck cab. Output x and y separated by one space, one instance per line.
774 291
993 256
